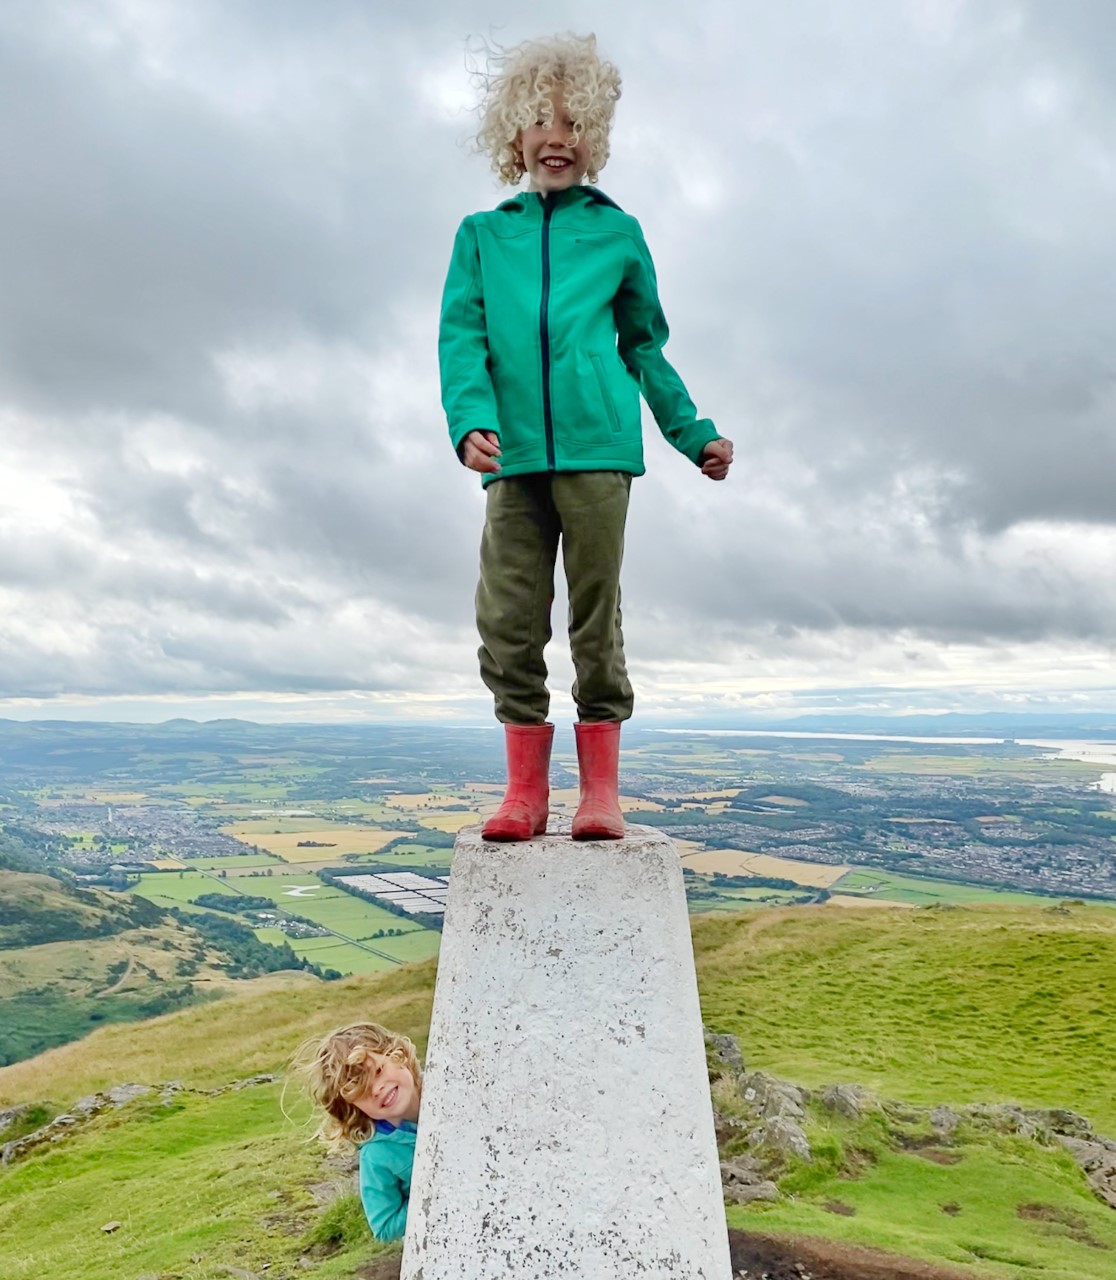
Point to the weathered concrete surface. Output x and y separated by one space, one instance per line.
566 1126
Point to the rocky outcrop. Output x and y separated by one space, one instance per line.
92 1105
9 1115
760 1125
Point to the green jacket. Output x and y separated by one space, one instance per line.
385 1178
551 327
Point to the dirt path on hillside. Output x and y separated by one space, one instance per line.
756 1257
108 991
802 1258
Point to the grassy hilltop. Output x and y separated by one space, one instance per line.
941 1006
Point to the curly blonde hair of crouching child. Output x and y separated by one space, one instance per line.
519 88
336 1070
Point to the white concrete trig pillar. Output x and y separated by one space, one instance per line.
566 1126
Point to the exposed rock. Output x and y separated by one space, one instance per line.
848 1100
744 1183
783 1135
749 1193
263 1078
766 1097
1094 1156
725 1051
93 1104
944 1122
775 1107
10 1115
120 1095
743 1170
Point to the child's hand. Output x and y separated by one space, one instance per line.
716 459
480 449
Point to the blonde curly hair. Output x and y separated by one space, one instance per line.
336 1070
519 86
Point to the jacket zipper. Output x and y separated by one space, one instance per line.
544 335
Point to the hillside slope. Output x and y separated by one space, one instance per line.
73 959
37 908
972 1004
924 1006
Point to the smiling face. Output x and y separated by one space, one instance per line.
391 1093
553 157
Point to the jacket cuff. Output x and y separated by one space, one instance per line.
457 439
696 436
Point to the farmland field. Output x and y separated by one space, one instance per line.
302 895
851 900
331 842
451 822
735 862
919 892
262 859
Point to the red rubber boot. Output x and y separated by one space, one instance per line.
598 815
526 804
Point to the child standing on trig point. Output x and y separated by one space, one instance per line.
550 329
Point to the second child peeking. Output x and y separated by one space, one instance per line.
551 329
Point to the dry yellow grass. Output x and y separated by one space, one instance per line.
851 900
791 801
563 799
166 864
293 869
421 799
83 966
448 821
735 862
249 1031
687 848
629 804
340 839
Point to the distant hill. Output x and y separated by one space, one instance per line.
36 908
74 958
938 1006
1099 725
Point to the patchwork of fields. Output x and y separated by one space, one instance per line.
286 848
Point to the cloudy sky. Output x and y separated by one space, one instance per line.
883 231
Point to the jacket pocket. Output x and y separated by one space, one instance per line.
606 395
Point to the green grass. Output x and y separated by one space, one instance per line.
934 1005
224 1180
1021 768
898 1204
330 907
741 899
941 1004
39 1019
922 892
261 859
176 888
405 855
417 944
333 953
255 1028
333 908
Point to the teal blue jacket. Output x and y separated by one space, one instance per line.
385 1178
550 329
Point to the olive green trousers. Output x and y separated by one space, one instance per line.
526 518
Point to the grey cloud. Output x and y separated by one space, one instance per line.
883 246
